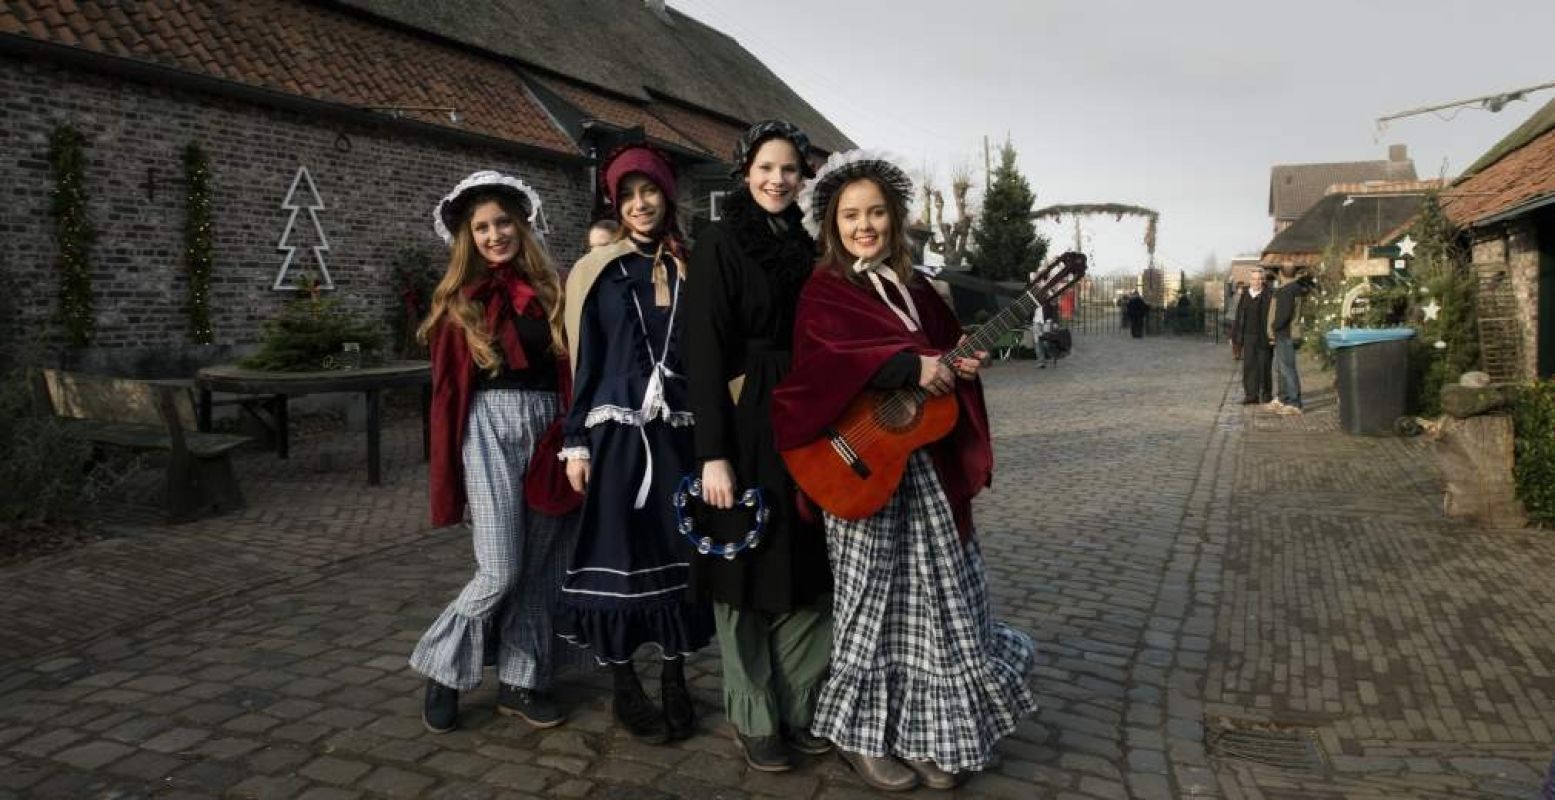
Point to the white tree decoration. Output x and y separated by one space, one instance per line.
283 281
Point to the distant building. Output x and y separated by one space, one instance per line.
1296 188
1346 222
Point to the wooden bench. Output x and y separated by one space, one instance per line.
152 416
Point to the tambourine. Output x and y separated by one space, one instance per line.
691 489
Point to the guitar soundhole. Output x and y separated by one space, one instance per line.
898 411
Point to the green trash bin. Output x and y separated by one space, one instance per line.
1373 371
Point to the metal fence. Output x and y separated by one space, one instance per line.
1208 323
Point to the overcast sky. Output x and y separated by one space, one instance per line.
1178 106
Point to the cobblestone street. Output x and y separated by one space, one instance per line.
1227 604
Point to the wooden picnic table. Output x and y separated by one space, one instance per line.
280 386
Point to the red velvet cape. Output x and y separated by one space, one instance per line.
453 383
843 334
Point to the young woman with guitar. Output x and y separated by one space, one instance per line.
772 602
923 682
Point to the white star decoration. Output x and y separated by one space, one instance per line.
1406 246
1431 309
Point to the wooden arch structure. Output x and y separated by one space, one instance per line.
1115 210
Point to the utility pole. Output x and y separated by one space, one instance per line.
987 166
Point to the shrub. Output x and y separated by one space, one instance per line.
1533 420
307 335
43 475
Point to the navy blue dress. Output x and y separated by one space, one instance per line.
626 585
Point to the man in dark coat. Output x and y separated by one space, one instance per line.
1249 334
1136 310
1284 334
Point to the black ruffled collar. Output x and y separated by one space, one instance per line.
785 252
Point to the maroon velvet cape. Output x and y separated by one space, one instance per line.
843 334
453 381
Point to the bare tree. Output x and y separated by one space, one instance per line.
955 236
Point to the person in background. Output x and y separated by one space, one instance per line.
1284 333
1135 310
603 233
1228 322
1248 335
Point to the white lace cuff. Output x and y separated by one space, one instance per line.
634 417
573 454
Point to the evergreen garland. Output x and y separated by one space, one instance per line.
73 233
1442 271
198 255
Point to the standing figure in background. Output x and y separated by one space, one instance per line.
1248 332
1228 321
1285 333
1135 310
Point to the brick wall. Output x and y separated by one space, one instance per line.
378 194
1523 260
1516 244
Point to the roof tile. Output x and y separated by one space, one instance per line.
1517 177
305 49
619 112
671 55
711 134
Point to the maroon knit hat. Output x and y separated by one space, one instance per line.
638 157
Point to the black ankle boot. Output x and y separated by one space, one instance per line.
641 718
440 709
679 713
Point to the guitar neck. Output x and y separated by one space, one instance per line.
1011 316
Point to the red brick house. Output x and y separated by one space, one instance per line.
386 103
1505 202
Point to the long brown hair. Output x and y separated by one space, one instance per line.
835 255
465 267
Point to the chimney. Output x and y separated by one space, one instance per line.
658 9
1396 152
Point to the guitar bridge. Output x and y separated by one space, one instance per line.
848 455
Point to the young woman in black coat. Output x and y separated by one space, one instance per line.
771 602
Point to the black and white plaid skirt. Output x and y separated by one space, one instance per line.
919 669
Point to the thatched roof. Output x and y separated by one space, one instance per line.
1532 128
621 46
1365 221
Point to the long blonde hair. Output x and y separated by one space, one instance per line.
465 267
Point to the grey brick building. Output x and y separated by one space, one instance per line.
386 104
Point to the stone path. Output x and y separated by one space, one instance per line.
1211 590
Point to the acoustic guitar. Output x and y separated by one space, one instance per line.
853 468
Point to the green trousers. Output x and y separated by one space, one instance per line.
773 665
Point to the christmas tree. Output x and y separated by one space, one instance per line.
1008 246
